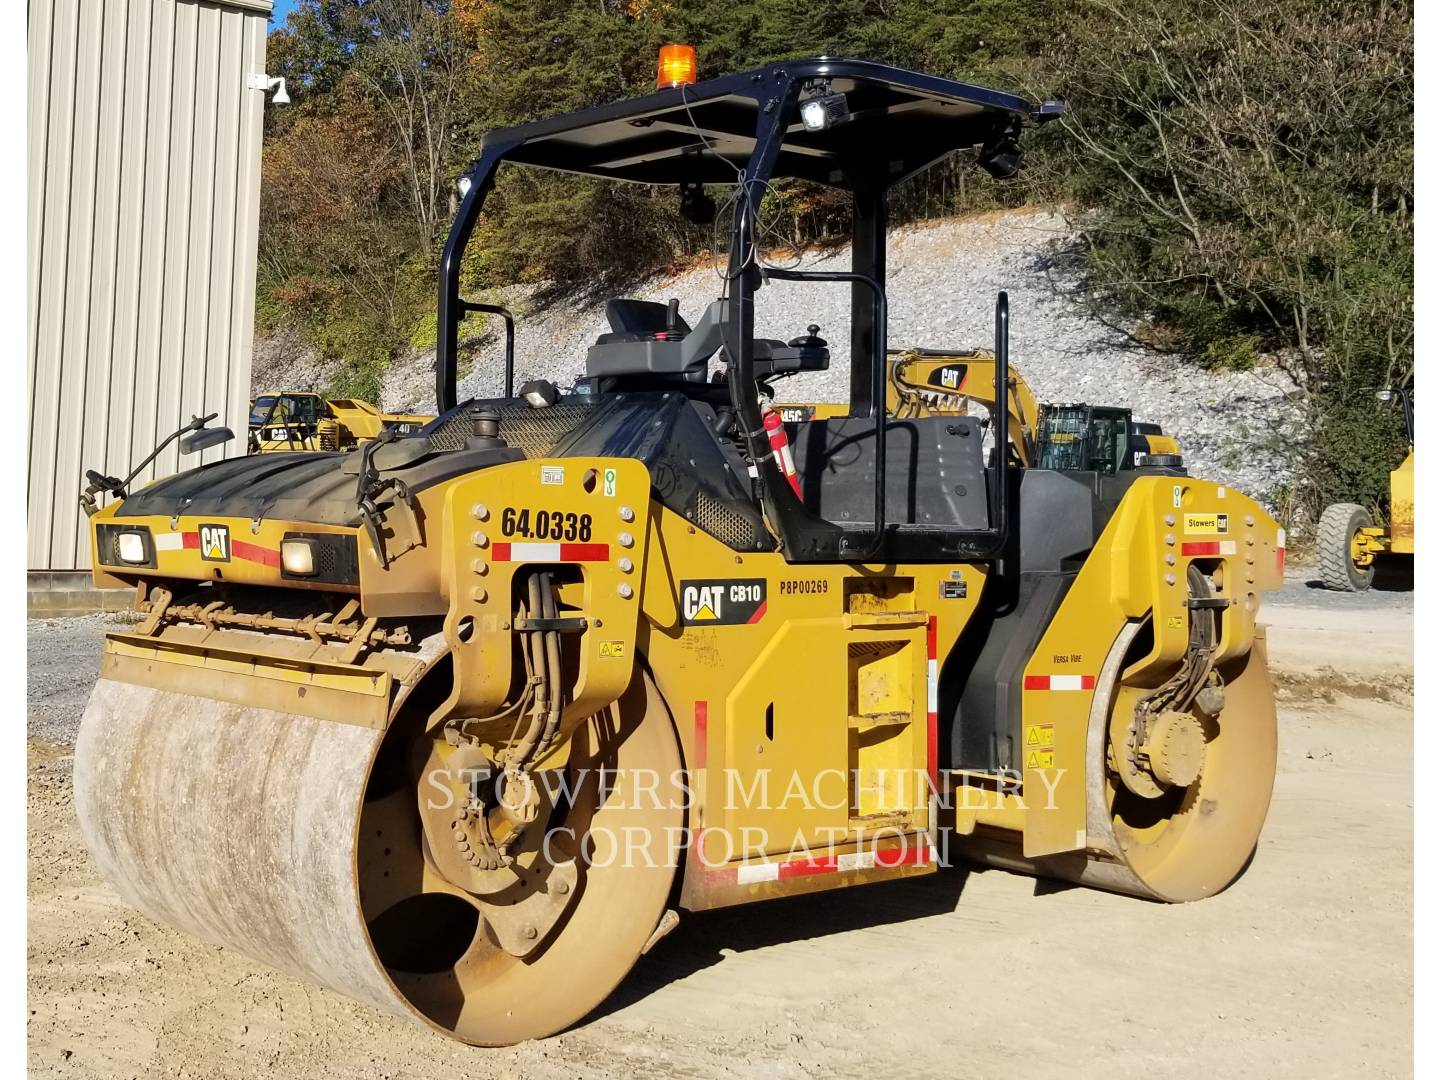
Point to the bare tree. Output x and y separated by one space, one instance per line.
414 61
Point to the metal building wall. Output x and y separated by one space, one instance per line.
144 198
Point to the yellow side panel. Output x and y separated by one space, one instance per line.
1137 570
588 513
780 732
1402 507
805 716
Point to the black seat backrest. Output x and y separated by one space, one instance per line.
639 317
622 355
934 470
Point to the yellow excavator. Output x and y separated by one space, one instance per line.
289 420
932 382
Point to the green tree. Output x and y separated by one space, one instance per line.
1246 171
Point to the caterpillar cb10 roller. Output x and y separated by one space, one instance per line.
459 723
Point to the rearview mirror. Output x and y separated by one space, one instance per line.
205 438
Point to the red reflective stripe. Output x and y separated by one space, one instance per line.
702 729
918 854
254 553
1200 547
806 867
906 856
239 549
539 551
1059 682
759 613
932 718
932 748
584 552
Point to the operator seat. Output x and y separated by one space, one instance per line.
650 339
636 320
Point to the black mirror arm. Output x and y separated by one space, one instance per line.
120 488
370 486
195 424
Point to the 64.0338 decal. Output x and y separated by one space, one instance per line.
545 524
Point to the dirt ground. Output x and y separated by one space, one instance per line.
1303 968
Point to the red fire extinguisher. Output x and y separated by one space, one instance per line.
780 446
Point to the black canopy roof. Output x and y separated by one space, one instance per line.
900 121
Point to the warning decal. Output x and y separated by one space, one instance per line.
1039 735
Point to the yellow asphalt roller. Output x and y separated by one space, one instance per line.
459 722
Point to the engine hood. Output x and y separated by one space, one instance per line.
319 488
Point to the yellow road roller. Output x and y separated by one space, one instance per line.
460 723
290 421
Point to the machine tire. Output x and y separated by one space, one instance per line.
1338 526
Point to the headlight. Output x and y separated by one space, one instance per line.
812 115
297 557
124 545
131 547
320 558
820 113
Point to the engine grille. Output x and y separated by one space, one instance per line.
535 431
730 527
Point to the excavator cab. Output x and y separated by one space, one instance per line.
1087 438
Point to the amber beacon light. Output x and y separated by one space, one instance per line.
677 66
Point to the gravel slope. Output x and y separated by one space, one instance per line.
943 278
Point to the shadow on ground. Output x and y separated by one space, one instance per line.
703 938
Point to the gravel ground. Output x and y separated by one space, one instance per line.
1303 968
63 662
943 279
1391 592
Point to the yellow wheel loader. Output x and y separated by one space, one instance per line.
460 723
1348 543
303 421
